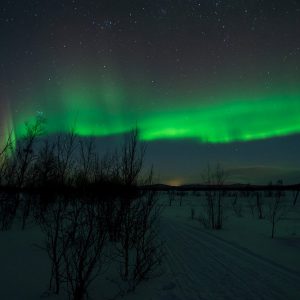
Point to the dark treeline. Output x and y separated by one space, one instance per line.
225 187
68 162
89 208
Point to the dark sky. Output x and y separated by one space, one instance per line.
206 81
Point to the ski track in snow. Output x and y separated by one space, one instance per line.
203 266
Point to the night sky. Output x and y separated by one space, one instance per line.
205 81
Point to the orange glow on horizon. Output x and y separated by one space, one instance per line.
175 182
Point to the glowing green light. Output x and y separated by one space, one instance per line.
107 109
229 121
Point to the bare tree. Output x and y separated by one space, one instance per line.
52 222
138 216
140 249
8 202
88 163
214 179
7 146
277 210
109 169
44 170
5 152
25 149
75 234
84 240
132 159
65 148
147 246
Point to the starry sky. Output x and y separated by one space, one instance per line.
205 81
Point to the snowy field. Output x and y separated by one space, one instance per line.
240 261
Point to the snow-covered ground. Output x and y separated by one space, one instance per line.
240 261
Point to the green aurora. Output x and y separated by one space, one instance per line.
223 120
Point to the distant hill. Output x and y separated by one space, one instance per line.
235 186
